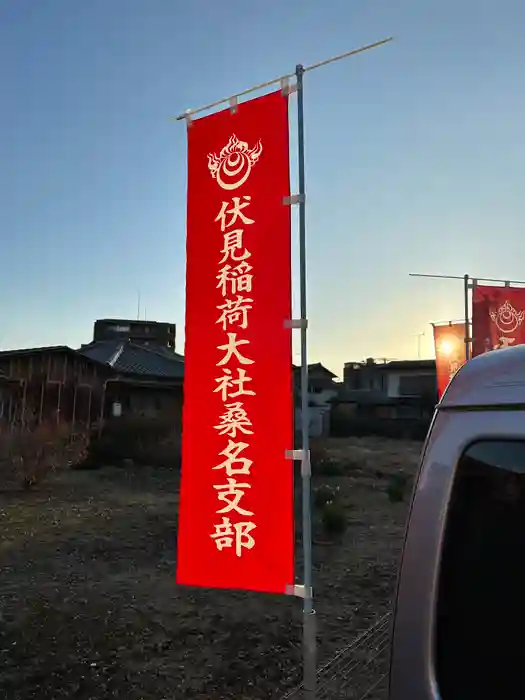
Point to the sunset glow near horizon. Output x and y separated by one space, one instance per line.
414 157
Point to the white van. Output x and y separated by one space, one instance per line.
459 621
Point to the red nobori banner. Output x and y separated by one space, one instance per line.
498 318
236 522
449 342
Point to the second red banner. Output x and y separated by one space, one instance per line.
498 318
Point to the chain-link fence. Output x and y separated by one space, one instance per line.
358 671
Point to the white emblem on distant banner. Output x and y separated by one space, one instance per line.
232 167
507 318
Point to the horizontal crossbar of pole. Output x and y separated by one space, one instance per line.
439 324
442 277
462 277
261 86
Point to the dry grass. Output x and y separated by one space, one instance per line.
89 608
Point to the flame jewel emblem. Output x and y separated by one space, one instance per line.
232 167
507 318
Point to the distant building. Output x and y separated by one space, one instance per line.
322 388
380 397
394 379
80 387
149 333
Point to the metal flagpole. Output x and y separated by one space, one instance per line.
469 283
305 590
309 631
467 319
419 336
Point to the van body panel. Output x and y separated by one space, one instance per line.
412 665
495 378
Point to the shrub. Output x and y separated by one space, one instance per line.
322 462
333 518
27 457
330 467
325 494
318 453
148 441
397 486
394 428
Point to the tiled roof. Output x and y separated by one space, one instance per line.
316 367
129 358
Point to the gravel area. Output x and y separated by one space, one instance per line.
89 609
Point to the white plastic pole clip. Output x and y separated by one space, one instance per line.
296 323
294 199
300 456
288 88
298 590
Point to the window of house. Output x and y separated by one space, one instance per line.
314 389
408 386
416 384
480 613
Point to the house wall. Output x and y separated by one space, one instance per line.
319 406
51 366
54 387
365 377
139 332
8 397
321 389
4 404
323 397
318 421
387 380
146 402
422 381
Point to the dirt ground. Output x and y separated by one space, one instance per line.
89 609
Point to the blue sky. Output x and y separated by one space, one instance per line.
414 151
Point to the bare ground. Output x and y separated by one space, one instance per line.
89 609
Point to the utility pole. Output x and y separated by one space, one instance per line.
419 336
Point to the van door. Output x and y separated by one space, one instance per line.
459 622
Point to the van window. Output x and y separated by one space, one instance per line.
480 614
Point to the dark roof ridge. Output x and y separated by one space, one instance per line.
120 343
53 348
157 351
41 348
